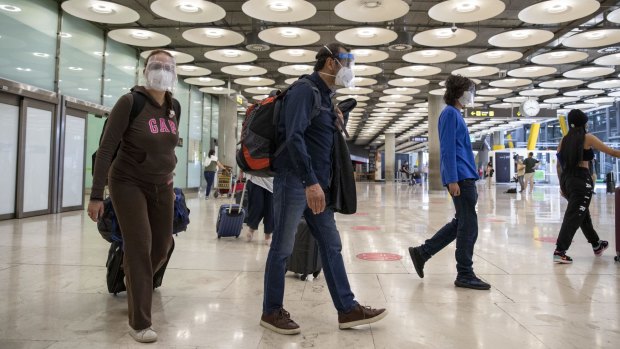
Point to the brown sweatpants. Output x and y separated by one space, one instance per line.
145 213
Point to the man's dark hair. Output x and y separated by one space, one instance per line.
324 54
211 152
456 85
530 154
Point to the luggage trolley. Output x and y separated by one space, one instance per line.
224 180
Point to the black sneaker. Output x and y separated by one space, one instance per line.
560 257
418 260
602 246
473 283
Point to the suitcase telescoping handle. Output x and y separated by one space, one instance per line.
232 190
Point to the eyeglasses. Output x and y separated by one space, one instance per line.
157 65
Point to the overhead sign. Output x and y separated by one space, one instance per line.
507 113
418 139
239 100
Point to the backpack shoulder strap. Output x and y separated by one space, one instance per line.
316 109
136 107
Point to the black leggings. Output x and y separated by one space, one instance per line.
578 188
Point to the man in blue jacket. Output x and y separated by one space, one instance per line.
302 179
459 175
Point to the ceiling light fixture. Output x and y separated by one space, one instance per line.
475 68
187 68
64 35
204 79
39 54
409 79
557 8
558 54
597 35
255 78
444 33
244 68
300 67
296 53
23 69
520 34
366 33
466 7
279 6
429 53
494 54
102 8
371 3
217 88
75 68
531 68
188 7
140 35
10 8
361 53
232 53
214 33
289 33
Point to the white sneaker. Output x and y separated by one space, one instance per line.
147 335
249 235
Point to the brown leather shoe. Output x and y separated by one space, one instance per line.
360 315
280 322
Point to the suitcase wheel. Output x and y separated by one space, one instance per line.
303 277
617 258
316 273
216 194
218 237
236 237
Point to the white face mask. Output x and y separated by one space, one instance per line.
161 80
345 77
467 99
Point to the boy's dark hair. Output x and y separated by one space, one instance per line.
530 154
456 85
324 54
211 152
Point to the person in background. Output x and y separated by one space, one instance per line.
520 173
140 184
260 206
405 171
211 167
576 150
530 168
488 173
459 175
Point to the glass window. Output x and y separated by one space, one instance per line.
182 95
28 42
120 71
613 121
81 56
194 137
206 125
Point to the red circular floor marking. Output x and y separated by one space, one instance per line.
547 239
361 214
366 227
379 256
495 220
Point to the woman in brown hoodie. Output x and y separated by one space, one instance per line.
140 184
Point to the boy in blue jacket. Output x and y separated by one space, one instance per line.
459 175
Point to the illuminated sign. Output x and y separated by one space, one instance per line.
239 100
418 139
507 113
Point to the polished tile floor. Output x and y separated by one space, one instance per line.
52 281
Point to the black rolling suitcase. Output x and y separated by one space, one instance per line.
115 275
305 259
610 181
617 198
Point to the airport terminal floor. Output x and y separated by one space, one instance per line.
52 278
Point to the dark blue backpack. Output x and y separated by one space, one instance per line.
181 212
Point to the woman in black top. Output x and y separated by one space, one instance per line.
574 153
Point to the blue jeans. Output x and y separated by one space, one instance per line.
210 178
260 207
289 204
463 228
